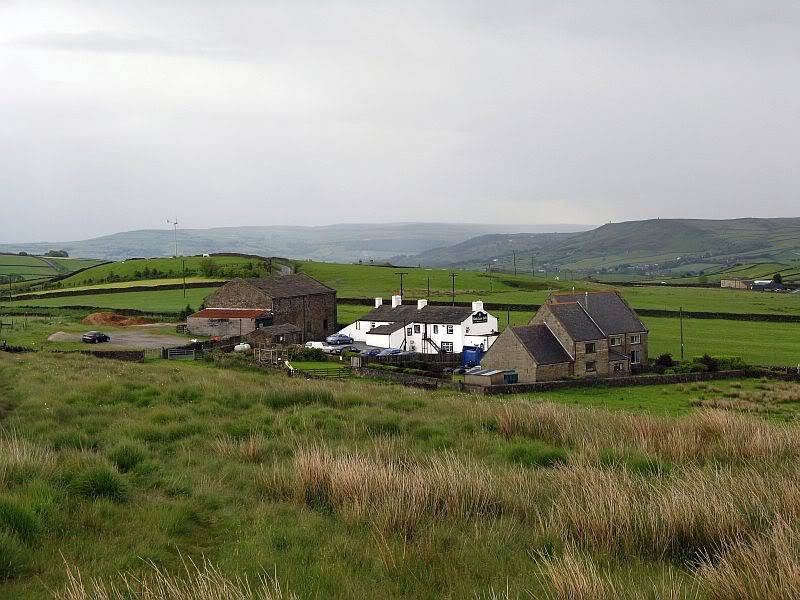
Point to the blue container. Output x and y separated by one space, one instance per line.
471 356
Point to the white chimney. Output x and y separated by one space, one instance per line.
477 306
396 301
378 302
421 304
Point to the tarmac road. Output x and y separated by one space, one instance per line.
128 340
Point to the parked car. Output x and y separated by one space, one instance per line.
389 352
371 352
94 337
317 345
343 349
338 339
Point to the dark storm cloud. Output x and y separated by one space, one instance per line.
114 116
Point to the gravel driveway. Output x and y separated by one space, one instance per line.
125 339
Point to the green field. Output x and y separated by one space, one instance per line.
39 268
352 489
162 268
124 284
155 301
364 281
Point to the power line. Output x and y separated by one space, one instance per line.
453 277
402 274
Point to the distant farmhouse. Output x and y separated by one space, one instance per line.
424 328
296 307
594 334
756 285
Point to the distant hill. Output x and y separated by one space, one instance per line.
653 246
336 243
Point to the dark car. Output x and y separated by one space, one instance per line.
94 337
389 352
338 339
343 349
371 352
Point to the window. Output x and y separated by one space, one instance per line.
591 348
435 329
372 325
636 357
450 330
417 329
591 367
409 331
636 338
617 367
447 347
325 324
615 340
358 324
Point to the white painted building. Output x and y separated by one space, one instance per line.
424 328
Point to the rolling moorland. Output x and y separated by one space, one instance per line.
215 478
199 475
660 246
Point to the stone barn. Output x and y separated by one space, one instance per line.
228 322
297 300
275 335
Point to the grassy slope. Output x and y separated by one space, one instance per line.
156 301
126 269
34 267
126 284
121 464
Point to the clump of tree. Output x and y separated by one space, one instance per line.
57 253
777 278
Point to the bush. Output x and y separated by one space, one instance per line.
534 454
307 354
100 482
665 360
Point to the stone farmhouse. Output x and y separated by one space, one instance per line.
594 334
244 305
424 328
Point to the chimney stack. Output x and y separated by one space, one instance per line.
396 301
421 304
477 306
378 302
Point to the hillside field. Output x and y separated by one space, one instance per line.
39 268
354 489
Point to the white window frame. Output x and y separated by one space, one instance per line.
586 348
409 330
636 338
417 328
449 330
638 357
615 340
435 329
447 347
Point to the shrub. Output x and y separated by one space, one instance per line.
100 482
307 354
665 360
18 519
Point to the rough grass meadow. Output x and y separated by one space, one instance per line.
164 480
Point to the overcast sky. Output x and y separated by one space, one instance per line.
115 116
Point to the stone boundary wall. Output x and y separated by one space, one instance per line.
117 290
420 381
634 380
126 355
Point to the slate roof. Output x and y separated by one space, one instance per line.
611 313
386 329
409 313
283 328
540 342
576 321
290 286
231 313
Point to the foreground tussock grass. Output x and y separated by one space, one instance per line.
396 494
758 567
701 436
201 581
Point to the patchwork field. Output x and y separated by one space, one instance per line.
38 268
196 476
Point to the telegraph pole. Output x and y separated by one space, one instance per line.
514 254
533 268
174 234
453 277
681 318
183 262
429 290
402 274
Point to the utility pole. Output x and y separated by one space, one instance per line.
402 274
183 262
429 290
514 254
453 277
174 233
533 268
681 318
